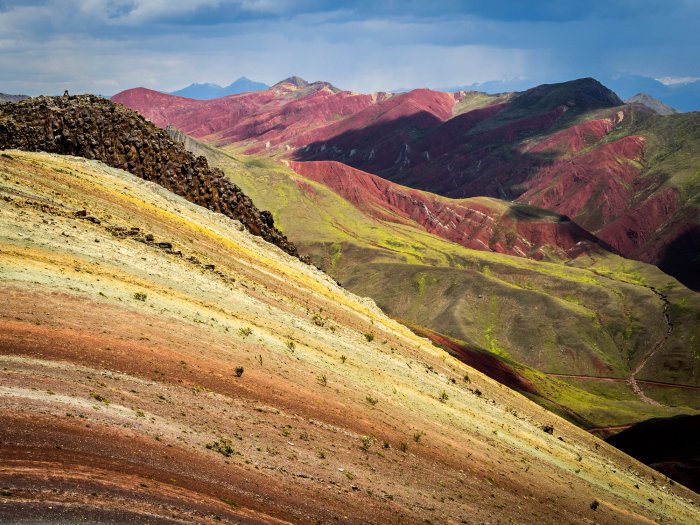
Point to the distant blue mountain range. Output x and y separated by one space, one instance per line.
683 96
211 91
680 94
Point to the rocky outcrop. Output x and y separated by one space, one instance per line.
95 128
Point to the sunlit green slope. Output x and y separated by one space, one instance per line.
594 317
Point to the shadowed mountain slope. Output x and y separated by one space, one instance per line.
669 445
207 376
622 172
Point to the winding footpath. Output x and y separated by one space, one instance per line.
632 379
669 328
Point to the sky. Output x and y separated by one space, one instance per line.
106 46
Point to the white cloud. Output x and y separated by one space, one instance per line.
677 81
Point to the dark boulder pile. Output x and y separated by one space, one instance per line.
95 128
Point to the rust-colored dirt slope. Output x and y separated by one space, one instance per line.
264 118
477 223
620 171
126 312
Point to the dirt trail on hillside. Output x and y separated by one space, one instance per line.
659 344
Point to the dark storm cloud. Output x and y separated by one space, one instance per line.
107 45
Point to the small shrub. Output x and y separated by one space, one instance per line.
245 332
417 435
595 504
366 442
100 398
304 436
549 429
239 371
318 320
140 296
291 345
321 454
343 358
403 446
369 337
443 396
140 413
466 378
223 446
349 475
322 380
372 400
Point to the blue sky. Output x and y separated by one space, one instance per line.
105 46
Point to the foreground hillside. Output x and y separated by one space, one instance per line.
583 328
621 334
162 365
94 128
621 171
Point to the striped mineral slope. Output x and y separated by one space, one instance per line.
162 365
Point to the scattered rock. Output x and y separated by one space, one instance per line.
96 128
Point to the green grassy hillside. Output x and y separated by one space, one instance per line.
597 316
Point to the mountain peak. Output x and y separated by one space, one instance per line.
209 90
299 85
583 94
652 103
295 81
